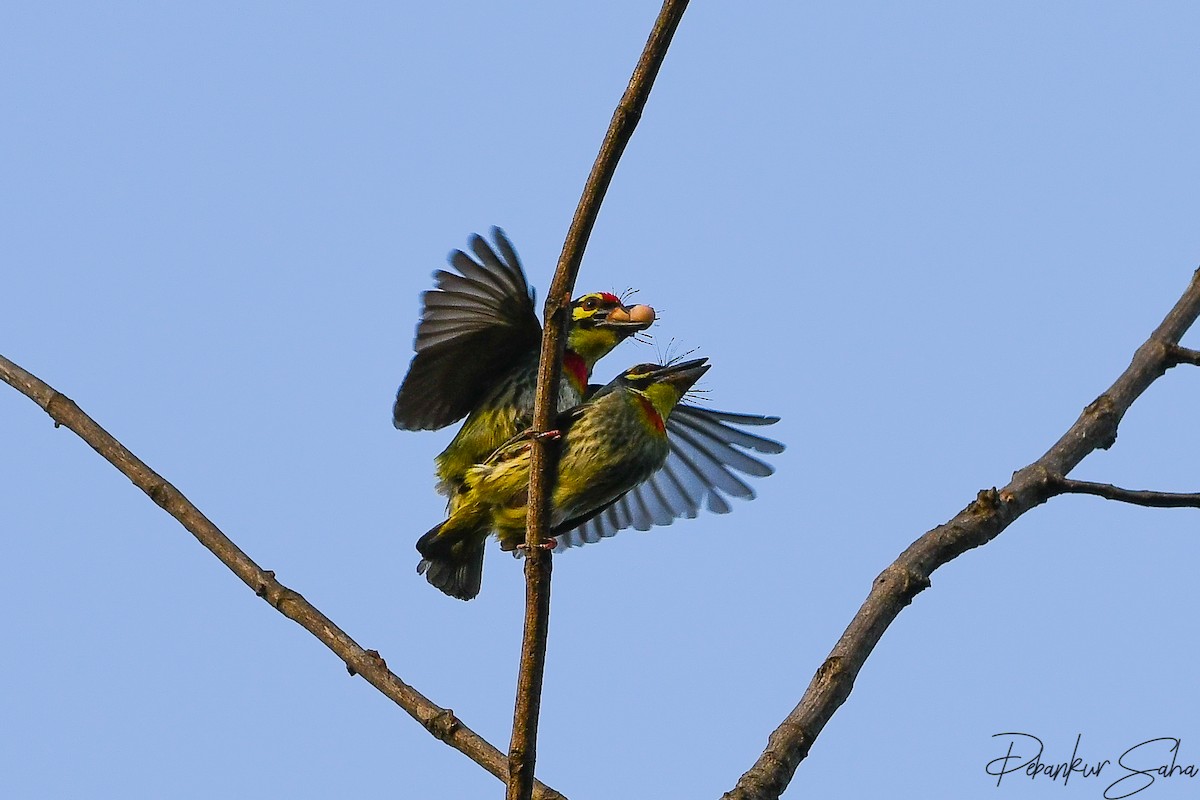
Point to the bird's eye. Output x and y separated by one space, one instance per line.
590 304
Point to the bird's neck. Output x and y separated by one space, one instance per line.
653 418
592 343
576 370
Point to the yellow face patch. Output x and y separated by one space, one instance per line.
586 306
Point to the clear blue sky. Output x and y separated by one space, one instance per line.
926 234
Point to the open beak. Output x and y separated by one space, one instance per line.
683 375
637 318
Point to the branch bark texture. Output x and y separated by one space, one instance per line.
522 753
440 722
981 521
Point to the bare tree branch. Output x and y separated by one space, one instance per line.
1184 355
522 752
440 722
1061 485
980 522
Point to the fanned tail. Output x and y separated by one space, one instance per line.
452 561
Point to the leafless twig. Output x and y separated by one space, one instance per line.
1061 485
440 722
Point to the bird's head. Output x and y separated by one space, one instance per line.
600 322
664 385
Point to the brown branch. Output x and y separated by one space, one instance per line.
980 522
522 752
440 722
1184 355
1061 485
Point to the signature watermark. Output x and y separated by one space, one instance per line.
1133 771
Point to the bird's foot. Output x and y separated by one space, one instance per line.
523 549
530 435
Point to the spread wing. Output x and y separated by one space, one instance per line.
475 327
706 463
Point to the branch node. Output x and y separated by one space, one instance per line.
910 581
518 759
627 117
789 758
59 408
986 503
828 670
277 594
1104 411
265 585
160 493
378 659
285 594
372 656
443 725
1177 354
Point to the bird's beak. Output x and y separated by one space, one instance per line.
637 318
683 375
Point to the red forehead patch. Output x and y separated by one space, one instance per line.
610 298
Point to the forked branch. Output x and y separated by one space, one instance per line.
1184 355
980 522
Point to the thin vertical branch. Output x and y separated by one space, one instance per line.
522 751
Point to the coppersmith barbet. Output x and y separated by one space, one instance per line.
609 444
477 346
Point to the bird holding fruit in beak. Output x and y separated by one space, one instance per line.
607 446
477 347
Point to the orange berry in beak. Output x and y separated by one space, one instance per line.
643 315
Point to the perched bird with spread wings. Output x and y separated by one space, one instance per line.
477 347
608 445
